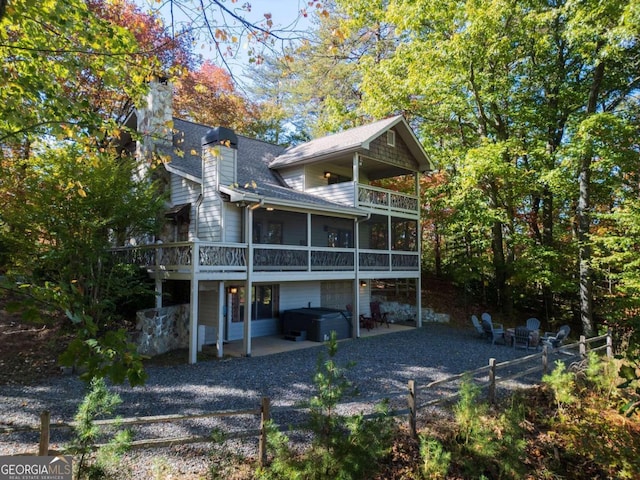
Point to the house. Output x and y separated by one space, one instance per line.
307 226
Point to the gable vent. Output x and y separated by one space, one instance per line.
391 138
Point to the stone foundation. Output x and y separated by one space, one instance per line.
160 330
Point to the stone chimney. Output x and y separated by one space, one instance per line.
155 120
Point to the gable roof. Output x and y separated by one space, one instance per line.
352 140
256 181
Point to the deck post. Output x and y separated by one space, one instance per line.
411 400
265 416
583 346
45 421
492 380
609 344
545 359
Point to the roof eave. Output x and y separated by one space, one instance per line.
236 196
180 173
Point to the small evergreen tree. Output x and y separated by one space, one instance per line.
343 447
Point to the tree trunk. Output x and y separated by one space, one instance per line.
584 216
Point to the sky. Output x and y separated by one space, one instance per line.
285 15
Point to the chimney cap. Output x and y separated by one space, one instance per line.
219 135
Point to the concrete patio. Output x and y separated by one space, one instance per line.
261 346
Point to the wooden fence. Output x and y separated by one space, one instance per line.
487 376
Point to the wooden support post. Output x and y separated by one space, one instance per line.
609 344
583 346
411 400
45 420
492 380
545 359
264 418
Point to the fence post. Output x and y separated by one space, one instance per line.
45 419
492 380
265 415
609 344
545 359
583 346
411 400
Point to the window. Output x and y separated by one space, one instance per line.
274 232
404 234
265 302
391 138
339 238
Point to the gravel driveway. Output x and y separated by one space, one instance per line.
382 366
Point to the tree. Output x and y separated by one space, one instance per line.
65 193
63 206
48 50
208 96
225 28
500 91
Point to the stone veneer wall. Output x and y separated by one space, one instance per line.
160 330
401 312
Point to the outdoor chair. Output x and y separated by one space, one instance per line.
477 326
554 340
533 324
521 337
377 315
493 332
365 322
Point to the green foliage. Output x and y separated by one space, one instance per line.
563 385
343 447
50 51
435 460
65 207
98 403
485 444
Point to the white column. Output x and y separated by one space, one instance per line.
247 295
221 319
193 311
193 321
419 247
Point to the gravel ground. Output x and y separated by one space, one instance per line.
382 366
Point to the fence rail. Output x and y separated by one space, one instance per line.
490 371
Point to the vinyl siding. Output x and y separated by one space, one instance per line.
314 175
337 294
232 223
299 295
210 220
343 193
294 177
185 191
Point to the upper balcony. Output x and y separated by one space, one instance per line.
368 197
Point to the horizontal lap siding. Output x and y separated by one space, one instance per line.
232 223
294 177
185 191
299 295
337 294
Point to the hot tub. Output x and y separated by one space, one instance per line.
317 323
